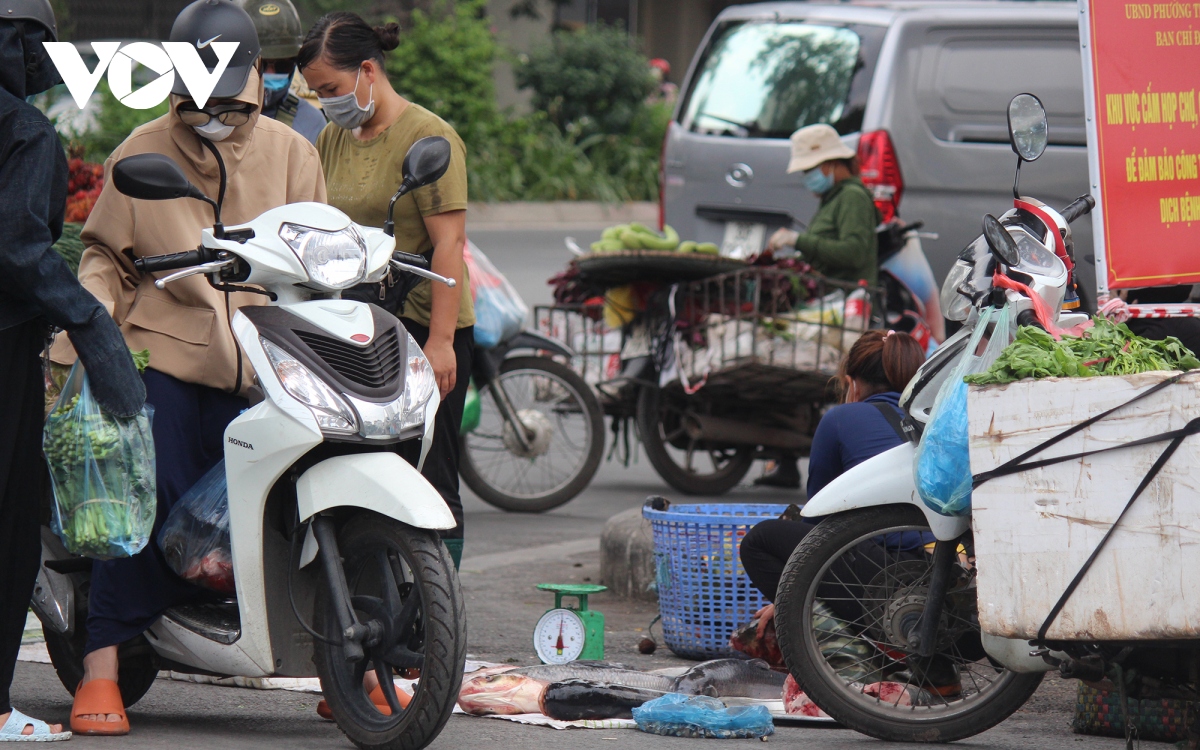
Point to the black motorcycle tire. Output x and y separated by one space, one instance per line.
443 616
799 644
650 411
137 666
540 503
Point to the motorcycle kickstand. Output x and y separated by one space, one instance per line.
925 632
353 632
509 414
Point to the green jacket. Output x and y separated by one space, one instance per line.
840 241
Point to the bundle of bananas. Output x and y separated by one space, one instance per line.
640 237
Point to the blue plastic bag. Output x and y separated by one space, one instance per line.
676 715
499 310
102 471
942 464
195 537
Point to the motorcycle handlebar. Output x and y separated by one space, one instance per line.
408 259
1082 206
174 261
1029 318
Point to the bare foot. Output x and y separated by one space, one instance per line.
28 730
100 664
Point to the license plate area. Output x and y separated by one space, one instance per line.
743 239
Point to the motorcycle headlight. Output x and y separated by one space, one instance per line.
956 305
335 260
331 411
419 384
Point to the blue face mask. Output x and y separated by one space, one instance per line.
817 181
276 82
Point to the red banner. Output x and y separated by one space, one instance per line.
1145 65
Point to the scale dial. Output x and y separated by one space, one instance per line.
559 636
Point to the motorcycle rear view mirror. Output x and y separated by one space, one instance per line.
1028 130
1000 241
155 177
426 162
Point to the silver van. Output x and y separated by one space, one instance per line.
921 90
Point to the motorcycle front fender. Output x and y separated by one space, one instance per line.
379 482
886 479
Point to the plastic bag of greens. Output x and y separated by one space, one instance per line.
942 464
499 310
195 537
102 471
676 715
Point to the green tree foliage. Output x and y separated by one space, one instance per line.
114 122
445 62
593 78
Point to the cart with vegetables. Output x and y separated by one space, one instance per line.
711 361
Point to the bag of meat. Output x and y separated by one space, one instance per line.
195 537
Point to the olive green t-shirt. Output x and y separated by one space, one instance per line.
362 176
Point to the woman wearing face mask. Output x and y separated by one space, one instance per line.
840 242
198 379
280 33
342 60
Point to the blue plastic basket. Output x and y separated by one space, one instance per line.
704 594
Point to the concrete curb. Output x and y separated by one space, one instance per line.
627 564
558 215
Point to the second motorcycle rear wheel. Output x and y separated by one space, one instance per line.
694 467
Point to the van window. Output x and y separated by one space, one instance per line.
769 79
976 76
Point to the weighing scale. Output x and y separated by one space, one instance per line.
564 634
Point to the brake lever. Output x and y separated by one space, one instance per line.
424 274
203 268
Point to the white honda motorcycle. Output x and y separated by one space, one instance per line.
876 608
315 475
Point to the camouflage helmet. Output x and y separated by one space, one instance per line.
278 26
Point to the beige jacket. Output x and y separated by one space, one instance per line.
186 325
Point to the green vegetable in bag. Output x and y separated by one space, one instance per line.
103 474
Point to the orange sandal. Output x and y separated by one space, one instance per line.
99 697
377 697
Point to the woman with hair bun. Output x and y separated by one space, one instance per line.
362 151
865 424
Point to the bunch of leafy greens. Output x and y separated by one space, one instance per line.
1105 349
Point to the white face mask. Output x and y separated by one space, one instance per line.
344 111
215 130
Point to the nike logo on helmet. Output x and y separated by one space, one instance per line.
210 41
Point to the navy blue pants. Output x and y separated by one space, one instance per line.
129 594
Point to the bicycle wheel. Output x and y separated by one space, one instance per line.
565 435
848 599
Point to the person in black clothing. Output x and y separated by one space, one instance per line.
37 290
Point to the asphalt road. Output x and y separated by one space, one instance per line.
505 556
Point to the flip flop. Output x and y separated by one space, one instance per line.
377 697
17 721
99 697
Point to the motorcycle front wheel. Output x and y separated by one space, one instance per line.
564 429
403 579
849 596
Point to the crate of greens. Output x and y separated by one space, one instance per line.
102 472
1082 422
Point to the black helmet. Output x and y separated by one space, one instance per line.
207 21
279 29
30 10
